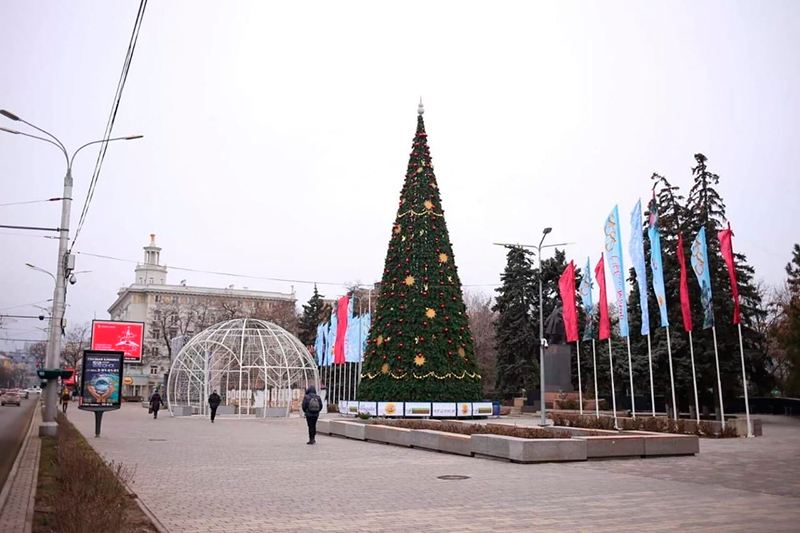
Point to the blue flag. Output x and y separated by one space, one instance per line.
613 248
656 264
352 340
700 267
586 297
637 256
319 345
331 338
366 323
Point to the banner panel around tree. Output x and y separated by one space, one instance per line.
126 337
101 380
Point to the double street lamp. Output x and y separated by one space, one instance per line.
65 262
542 342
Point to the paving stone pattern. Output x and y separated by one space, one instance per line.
253 475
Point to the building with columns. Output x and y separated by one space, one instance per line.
174 313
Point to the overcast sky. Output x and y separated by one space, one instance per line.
277 134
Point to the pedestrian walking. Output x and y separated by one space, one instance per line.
312 406
155 404
64 400
213 403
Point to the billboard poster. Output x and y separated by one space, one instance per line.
71 380
371 408
481 408
465 409
126 337
444 410
390 408
418 409
101 380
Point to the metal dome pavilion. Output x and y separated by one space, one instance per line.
257 368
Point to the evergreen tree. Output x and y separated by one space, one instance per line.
420 346
786 330
516 330
313 315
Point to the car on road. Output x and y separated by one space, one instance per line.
34 390
23 393
11 397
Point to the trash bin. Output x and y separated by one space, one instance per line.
496 409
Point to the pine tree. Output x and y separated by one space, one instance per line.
516 330
786 330
420 346
312 316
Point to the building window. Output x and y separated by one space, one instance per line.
158 296
151 280
140 280
153 369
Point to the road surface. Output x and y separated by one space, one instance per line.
14 423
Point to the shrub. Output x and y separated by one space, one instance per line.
333 408
642 423
473 429
364 416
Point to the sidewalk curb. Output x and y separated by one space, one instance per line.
13 473
146 510
34 487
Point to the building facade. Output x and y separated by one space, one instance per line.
172 314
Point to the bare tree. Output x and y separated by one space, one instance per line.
39 352
173 320
482 324
78 339
283 314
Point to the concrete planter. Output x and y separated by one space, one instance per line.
519 450
397 436
615 446
270 412
182 410
441 441
375 433
226 410
323 426
351 430
656 444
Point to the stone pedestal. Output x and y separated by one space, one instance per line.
558 368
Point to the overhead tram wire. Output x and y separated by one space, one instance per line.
111 119
234 275
32 202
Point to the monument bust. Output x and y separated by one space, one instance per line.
554 326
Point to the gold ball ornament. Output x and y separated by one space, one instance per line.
385 368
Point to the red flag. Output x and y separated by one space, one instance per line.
686 309
566 286
341 330
600 276
726 246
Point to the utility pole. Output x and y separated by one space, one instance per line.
64 266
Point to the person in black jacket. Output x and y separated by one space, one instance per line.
213 403
312 406
156 403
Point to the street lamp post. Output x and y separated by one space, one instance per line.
49 426
541 329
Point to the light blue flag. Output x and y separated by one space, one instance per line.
331 338
319 345
656 265
586 296
613 248
366 323
700 267
637 256
352 337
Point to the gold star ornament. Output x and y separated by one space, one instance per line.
385 368
428 204
430 313
419 360
462 352
443 258
379 340
410 280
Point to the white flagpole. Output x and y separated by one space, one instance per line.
580 389
694 379
630 374
594 366
613 391
744 384
672 377
652 390
719 380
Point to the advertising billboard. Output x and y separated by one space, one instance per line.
125 337
101 380
72 380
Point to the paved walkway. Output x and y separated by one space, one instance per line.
260 476
18 500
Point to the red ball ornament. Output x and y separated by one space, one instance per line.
398 357
446 330
449 353
384 358
447 318
425 324
400 345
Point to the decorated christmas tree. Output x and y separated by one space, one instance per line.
420 347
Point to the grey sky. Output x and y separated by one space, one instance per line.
277 134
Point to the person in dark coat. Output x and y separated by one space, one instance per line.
64 400
155 403
312 407
213 402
